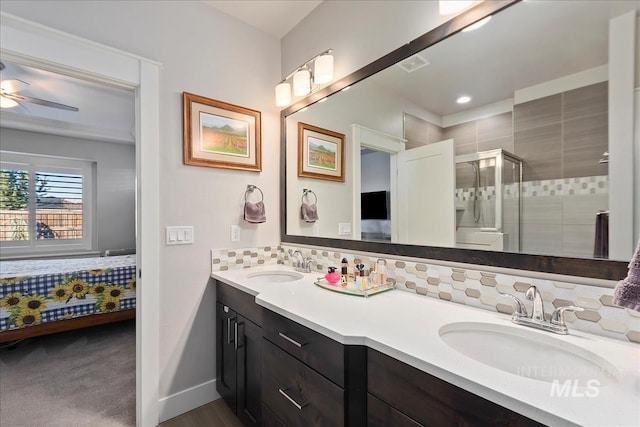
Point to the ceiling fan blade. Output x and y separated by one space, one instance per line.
13 86
40 102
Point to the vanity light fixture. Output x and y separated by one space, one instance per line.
7 103
463 99
306 78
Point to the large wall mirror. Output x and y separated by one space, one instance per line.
515 176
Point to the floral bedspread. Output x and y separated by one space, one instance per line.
34 292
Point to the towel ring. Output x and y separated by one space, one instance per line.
250 189
305 193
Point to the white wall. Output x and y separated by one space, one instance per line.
375 172
359 32
208 53
116 174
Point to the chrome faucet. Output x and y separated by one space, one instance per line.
537 320
297 259
533 294
300 263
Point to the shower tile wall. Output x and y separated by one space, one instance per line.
561 139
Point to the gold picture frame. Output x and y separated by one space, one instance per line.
221 135
321 153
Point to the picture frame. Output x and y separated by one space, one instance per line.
221 135
321 153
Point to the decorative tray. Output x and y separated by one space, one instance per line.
352 289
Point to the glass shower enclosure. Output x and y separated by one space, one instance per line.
488 202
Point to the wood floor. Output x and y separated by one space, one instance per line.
214 414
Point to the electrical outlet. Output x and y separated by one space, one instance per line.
235 233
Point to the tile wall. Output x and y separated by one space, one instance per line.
468 286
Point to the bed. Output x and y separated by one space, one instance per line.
39 297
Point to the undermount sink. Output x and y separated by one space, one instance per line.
529 354
275 276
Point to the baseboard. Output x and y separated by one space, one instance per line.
186 400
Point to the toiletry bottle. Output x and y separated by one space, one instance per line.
381 271
365 278
331 276
344 271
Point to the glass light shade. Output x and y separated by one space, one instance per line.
283 94
302 83
323 69
449 7
7 103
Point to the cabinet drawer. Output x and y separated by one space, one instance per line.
379 414
242 302
296 394
430 400
316 350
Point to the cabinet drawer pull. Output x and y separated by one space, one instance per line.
291 340
235 335
290 399
229 319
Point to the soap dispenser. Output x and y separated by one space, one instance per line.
331 276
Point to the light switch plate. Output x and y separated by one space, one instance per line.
179 235
344 228
235 233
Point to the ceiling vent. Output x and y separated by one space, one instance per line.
413 63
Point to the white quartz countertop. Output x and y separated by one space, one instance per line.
406 327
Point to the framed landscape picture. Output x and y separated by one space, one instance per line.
221 135
320 153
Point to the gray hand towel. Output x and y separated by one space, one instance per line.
254 212
309 213
627 291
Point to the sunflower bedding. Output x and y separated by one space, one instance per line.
40 291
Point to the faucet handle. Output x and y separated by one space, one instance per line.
557 318
530 294
520 309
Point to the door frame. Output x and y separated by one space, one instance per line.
31 43
379 141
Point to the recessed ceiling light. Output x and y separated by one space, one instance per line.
477 25
463 99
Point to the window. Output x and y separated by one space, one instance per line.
45 204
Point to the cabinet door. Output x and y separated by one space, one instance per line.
248 358
226 371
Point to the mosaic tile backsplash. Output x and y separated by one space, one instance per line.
468 286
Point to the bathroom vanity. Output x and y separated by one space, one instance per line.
320 357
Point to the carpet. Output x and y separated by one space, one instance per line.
78 378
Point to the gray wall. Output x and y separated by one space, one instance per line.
116 173
203 51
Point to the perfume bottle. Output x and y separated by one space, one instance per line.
332 276
344 272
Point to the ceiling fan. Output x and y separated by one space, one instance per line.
10 96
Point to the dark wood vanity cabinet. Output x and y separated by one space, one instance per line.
274 372
401 395
310 379
239 353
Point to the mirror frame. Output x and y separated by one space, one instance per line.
578 267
